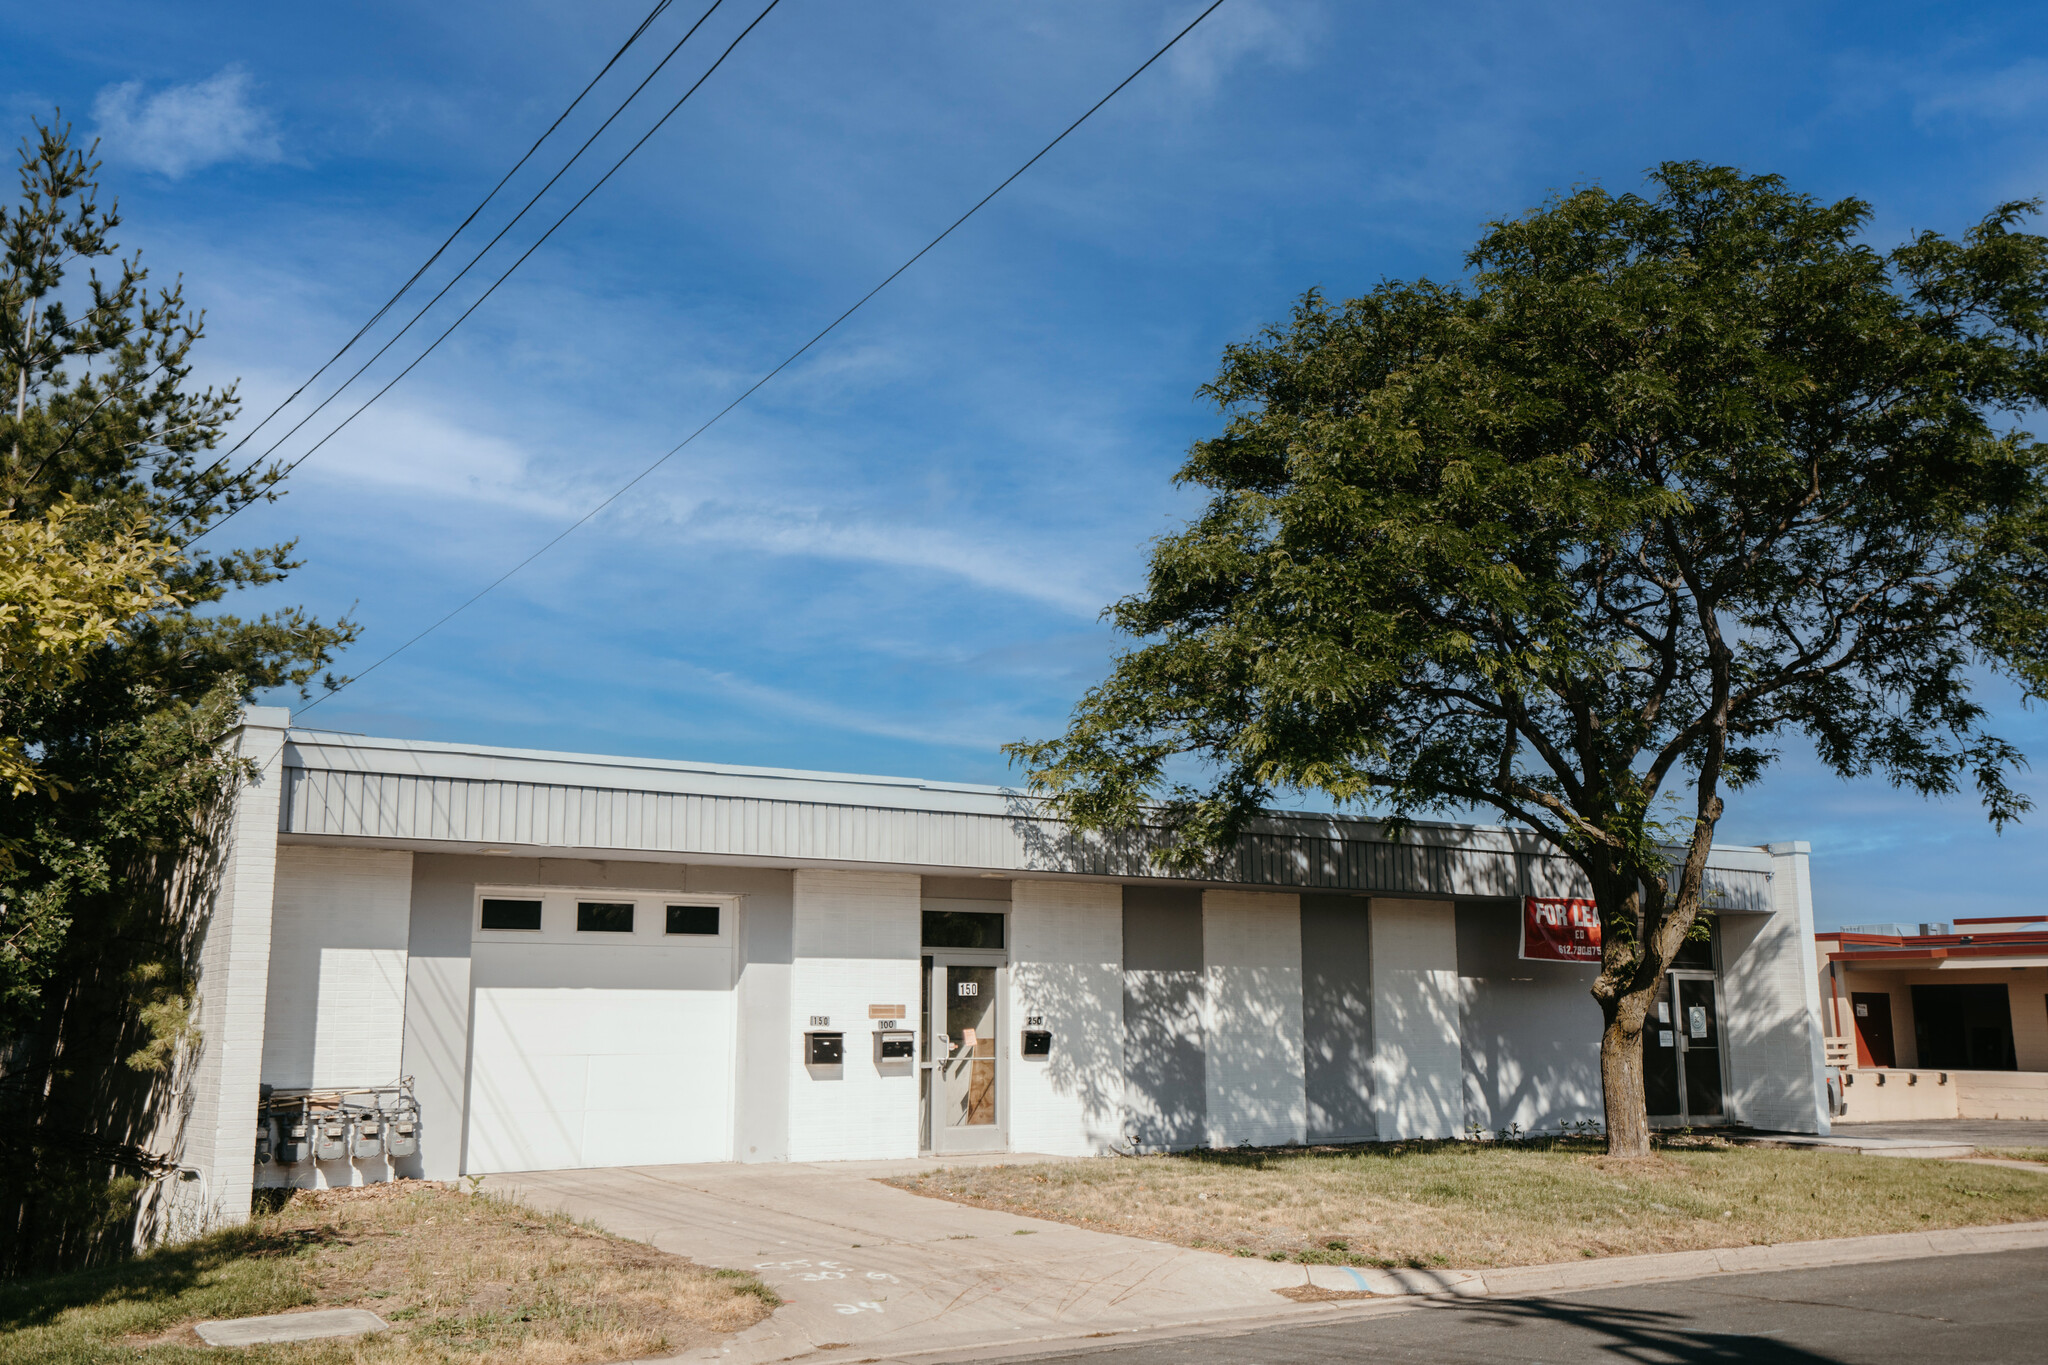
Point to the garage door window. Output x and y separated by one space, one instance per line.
604 917
693 919
505 914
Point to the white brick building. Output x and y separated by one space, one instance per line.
548 960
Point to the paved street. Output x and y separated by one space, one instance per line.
1983 1310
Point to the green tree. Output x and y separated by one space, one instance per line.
109 455
1669 479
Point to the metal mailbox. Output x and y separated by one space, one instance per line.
824 1049
1037 1042
895 1045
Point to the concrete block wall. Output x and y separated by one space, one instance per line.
1165 994
1417 1072
1066 966
1530 1031
1251 1018
1771 1010
855 940
335 1014
335 1011
218 1139
1336 1016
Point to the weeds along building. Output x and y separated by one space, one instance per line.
440 959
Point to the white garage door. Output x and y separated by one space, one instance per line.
599 1056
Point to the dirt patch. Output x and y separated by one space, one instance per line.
460 1278
1314 1293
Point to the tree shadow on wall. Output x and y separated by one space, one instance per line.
1082 1006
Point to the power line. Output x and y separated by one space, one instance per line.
483 251
461 274
660 7
793 356
507 274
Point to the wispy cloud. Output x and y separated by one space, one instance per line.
1250 30
185 128
2013 92
981 728
412 451
983 560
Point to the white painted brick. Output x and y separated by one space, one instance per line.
1418 1069
1771 1016
1251 1018
218 1139
856 939
336 1001
1066 965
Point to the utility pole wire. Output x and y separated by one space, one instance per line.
824 332
376 317
483 251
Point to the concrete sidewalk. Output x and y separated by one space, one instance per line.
869 1271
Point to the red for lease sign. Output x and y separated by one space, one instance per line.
1559 930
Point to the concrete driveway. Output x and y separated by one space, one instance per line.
867 1266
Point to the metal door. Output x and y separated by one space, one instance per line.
1699 1045
964 1087
1873 1013
1682 1063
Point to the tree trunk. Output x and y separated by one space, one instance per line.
1621 1077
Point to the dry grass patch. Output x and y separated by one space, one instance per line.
461 1278
1469 1204
2015 1153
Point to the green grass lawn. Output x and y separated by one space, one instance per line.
1467 1204
460 1278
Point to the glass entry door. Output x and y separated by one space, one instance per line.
964 1090
1682 1051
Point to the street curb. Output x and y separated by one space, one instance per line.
1431 1287
1896 1246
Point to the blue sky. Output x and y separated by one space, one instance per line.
893 558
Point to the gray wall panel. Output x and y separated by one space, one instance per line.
1531 1029
1165 1082
437 999
1336 1015
767 1048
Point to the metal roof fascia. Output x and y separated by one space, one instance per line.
317 750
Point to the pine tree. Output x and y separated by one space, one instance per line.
106 442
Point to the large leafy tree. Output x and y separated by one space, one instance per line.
1583 539
120 671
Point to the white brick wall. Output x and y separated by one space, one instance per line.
1251 1018
336 1011
856 943
1771 1016
219 1138
1417 1067
1066 965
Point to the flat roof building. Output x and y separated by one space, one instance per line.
440 959
1938 1020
